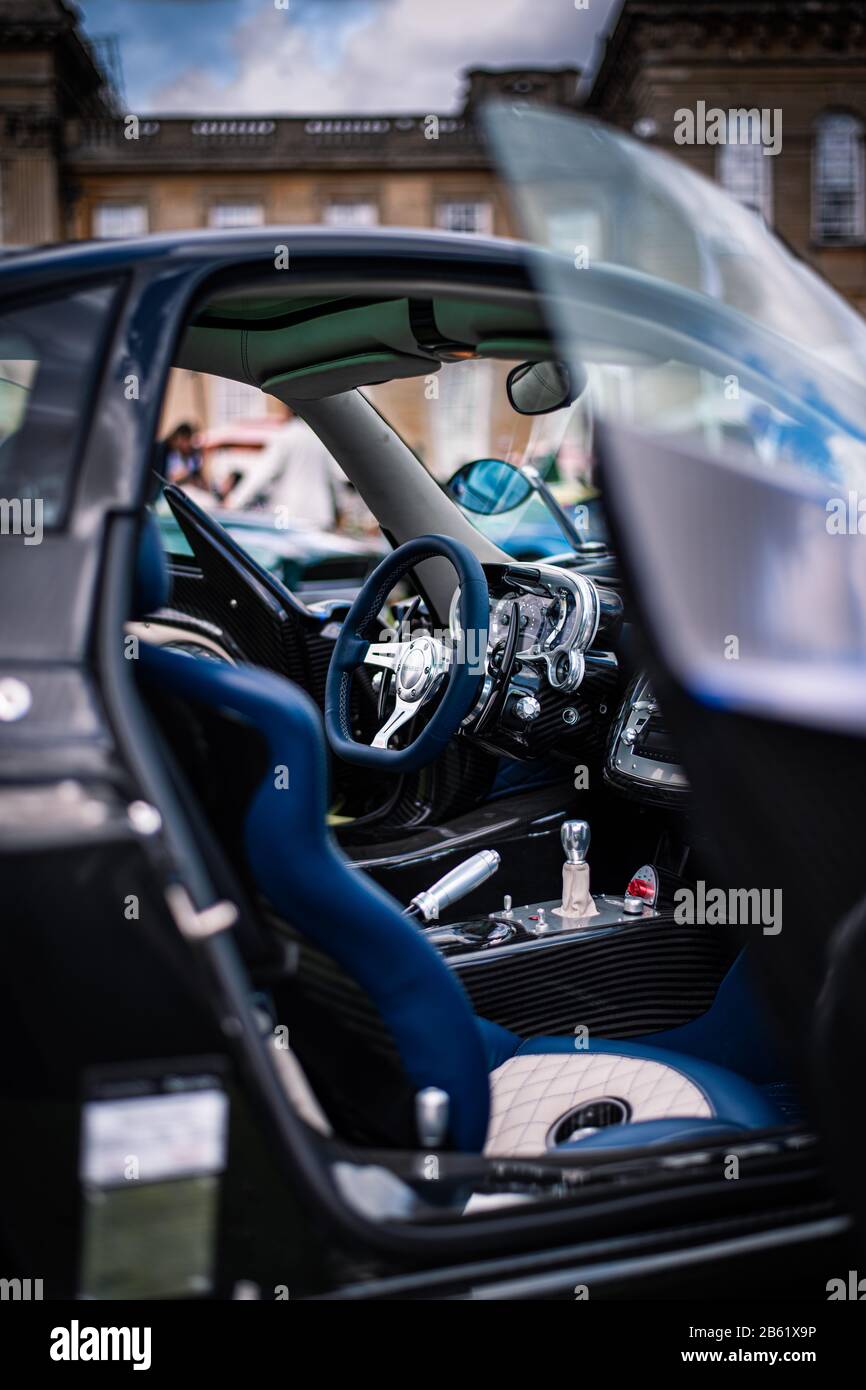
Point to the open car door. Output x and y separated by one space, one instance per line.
728 388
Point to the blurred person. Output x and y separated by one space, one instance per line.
178 459
293 473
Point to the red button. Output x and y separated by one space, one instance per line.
640 888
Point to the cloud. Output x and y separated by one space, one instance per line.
382 56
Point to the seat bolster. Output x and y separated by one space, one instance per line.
731 1097
151 585
499 1043
650 1132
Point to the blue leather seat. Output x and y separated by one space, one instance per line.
507 1094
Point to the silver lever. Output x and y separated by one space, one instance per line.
432 1106
454 885
575 840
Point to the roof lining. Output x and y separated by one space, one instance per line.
246 348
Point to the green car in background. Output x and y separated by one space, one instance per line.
313 564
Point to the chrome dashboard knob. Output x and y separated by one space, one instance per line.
527 708
575 840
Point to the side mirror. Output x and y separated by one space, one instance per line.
537 388
488 487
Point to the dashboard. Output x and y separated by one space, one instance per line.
548 631
642 758
557 617
554 686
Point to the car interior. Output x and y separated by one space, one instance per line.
452 805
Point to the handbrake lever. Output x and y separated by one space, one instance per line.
453 885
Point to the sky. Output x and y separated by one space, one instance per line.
300 56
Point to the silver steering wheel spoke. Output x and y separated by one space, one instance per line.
400 714
419 667
385 655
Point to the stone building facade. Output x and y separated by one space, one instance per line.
803 58
75 164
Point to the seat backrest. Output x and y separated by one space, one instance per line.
295 862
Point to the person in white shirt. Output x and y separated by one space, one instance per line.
293 476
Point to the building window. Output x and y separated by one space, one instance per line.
120 219
350 212
230 216
236 400
747 174
837 179
466 215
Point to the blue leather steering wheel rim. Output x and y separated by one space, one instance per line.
465 673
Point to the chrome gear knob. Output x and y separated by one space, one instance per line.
575 840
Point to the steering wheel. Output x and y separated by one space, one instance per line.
422 665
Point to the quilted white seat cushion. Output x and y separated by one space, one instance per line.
529 1094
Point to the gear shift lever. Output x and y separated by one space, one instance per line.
576 897
574 835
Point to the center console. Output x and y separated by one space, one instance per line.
618 965
578 912
513 929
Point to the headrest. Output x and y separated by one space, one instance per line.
151 587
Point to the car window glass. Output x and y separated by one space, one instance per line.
463 413
264 477
49 352
691 318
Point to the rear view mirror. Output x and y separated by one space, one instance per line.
537 388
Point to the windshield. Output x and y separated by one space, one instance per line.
462 414
691 318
